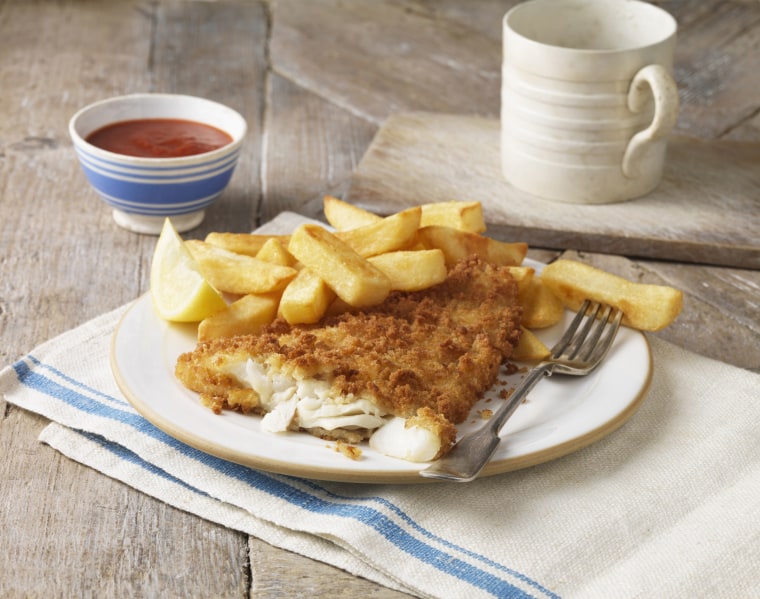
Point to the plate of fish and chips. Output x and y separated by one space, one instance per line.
561 415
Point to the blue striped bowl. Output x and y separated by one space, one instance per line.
144 191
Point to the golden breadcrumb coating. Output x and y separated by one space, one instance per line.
439 349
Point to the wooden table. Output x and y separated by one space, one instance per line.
315 79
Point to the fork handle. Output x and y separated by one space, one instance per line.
471 453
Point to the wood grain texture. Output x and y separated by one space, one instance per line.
315 80
218 50
303 577
720 318
67 530
113 541
706 209
311 149
377 58
119 542
716 64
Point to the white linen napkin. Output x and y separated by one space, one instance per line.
666 506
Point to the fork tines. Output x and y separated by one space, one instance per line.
590 335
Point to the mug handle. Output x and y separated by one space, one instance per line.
665 92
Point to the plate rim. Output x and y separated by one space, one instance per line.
374 476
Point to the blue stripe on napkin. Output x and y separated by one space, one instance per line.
320 500
131 457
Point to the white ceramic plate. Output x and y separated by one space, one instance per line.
561 415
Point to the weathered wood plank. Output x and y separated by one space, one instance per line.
716 65
218 50
70 531
747 130
721 318
57 239
482 16
704 211
377 58
279 574
721 307
46 201
312 148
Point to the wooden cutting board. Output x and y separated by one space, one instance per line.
706 210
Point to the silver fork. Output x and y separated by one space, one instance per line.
580 350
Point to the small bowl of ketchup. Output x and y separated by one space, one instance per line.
152 156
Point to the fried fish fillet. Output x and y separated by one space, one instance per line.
422 359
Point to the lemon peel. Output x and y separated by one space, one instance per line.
179 290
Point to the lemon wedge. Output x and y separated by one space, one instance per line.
180 292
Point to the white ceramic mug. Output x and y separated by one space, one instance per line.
587 98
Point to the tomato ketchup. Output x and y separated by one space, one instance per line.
159 138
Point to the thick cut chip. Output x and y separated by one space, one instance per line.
506 253
412 270
237 273
351 276
457 245
246 316
425 357
344 216
274 251
465 216
530 348
395 232
645 307
523 275
305 299
541 308
248 244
